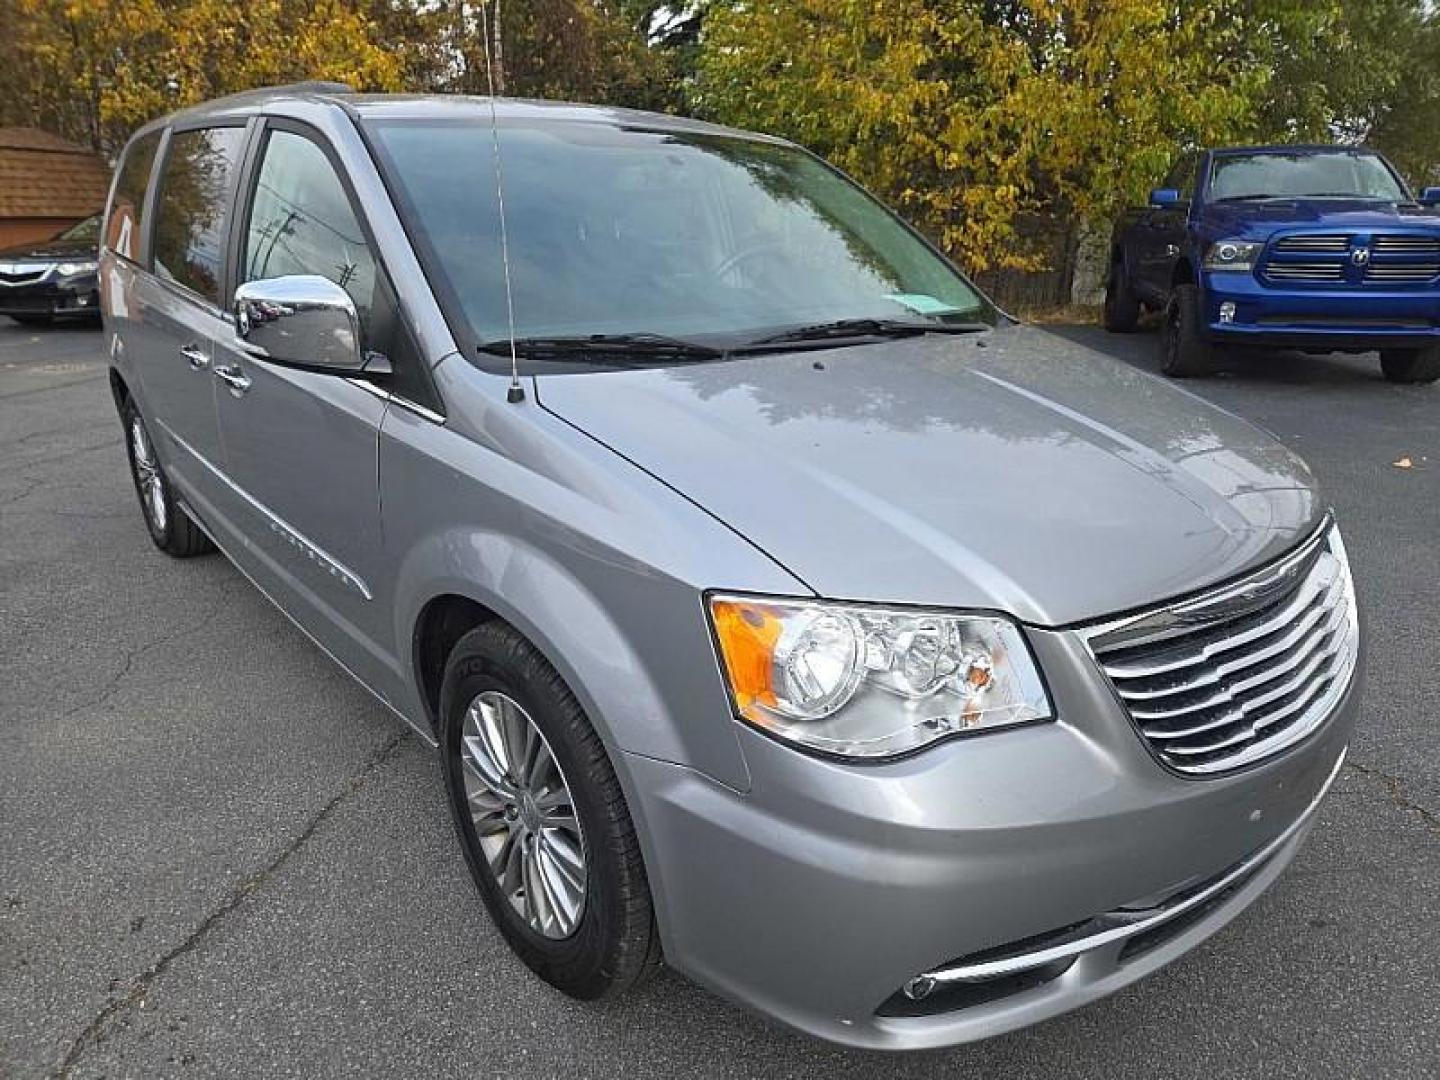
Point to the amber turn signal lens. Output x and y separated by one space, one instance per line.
748 633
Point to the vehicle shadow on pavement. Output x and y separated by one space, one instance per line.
1280 367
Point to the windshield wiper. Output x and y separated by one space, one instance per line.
1256 198
600 348
853 328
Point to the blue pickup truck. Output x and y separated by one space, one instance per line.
1318 248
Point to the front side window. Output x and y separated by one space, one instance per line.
301 222
189 241
633 231
122 232
1329 174
1182 176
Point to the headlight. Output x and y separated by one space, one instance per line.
1232 255
71 269
872 682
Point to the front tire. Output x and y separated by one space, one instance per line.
542 820
1411 365
169 526
1122 305
1184 352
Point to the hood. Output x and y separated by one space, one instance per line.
1259 219
1013 470
50 251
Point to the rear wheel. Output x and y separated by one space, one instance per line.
171 529
1184 352
1411 365
542 820
1122 306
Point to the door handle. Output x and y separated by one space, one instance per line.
234 378
195 357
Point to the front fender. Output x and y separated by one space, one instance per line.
648 690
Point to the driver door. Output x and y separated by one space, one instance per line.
1162 232
300 447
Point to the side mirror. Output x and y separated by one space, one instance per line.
303 320
1430 196
1163 197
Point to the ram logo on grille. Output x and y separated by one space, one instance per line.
1360 256
1241 673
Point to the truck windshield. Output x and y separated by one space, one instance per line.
1334 174
626 231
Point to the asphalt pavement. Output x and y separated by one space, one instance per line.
219 857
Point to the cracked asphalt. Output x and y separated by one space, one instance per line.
219 857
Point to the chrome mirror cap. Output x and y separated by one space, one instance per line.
301 319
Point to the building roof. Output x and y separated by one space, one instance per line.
44 176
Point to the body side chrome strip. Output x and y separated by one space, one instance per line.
923 984
282 528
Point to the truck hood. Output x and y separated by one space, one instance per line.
1259 220
1013 470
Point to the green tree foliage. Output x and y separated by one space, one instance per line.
974 116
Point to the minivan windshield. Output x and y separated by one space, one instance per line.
627 231
1338 173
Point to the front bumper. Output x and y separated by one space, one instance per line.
816 896
78 297
1354 317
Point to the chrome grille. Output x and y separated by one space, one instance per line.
1406 244
1241 673
1305 271
22 275
1313 244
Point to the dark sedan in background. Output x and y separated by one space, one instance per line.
53 279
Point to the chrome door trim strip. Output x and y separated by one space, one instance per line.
1131 925
395 399
282 528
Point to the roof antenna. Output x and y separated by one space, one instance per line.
516 393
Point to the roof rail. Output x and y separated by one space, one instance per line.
260 93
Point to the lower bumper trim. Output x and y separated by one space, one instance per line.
1113 926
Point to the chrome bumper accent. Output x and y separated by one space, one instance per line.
1118 925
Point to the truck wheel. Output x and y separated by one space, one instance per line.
542 820
1184 352
1122 306
1411 365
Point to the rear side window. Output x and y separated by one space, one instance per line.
122 228
301 222
189 239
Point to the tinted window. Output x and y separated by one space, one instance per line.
301 222
625 230
1336 173
189 239
1182 176
122 234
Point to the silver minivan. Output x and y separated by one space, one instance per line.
780 608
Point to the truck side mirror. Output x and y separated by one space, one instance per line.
1430 196
1164 197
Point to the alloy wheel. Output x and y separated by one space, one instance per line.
523 814
147 476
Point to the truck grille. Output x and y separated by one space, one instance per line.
1238 674
1388 259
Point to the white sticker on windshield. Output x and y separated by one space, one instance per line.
922 304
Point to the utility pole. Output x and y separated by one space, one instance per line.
499 51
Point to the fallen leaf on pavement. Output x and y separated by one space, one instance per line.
1403 463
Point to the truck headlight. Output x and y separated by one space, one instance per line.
70 269
1232 255
873 682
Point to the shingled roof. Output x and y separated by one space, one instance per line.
44 176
